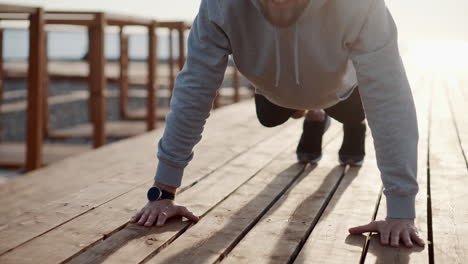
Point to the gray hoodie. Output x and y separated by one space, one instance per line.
313 64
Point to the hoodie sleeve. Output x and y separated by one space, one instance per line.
389 106
194 92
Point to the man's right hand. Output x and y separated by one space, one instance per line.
159 211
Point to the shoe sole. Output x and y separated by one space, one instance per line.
351 163
312 161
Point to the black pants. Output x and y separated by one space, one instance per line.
348 112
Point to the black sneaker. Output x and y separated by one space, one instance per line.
352 150
309 148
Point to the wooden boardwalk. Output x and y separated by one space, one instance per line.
257 205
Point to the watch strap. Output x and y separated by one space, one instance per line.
166 195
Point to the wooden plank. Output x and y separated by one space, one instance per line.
35 91
14 16
233 132
45 94
216 103
352 204
140 114
125 20
75 235
448 181
13 153
74 13
148 242
123 80
458 109
103 179
83 95
171 62
236 84
87 19
4 8
385 254
97 80
181 31
116 129
283 225
171 24
76 22
78 71
1 82
152 64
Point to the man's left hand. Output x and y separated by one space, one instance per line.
391 231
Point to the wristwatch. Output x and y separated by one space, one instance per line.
155 193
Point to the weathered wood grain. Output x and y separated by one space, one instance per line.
352 204
286 223
82 231
448 181
385 254
44 211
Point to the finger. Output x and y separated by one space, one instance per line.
384 237
162 217
371 227
190 216
405 237
136 216
415 237
143 218
151 219
395 238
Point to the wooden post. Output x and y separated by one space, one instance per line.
181 30
35 91
216 103
123 80
236 84
97 79
45 101
171 64
1 81
152 63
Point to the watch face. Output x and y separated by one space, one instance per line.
154 193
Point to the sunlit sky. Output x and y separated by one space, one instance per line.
417 19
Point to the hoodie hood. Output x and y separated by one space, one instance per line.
312 5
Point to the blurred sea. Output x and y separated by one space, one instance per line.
73 45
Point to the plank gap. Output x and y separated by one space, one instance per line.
182 189
190 224
369 235
455 124
304 239
430 237
74 217
178 234
260 216
230 247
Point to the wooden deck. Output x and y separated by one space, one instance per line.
12 154
257 205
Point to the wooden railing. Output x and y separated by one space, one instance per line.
95 23
36 73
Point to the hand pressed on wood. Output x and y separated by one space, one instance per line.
159 211
391 231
